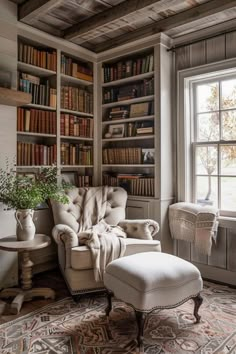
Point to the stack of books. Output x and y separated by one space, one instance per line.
120 112
78 70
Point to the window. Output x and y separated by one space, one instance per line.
214 143
206 159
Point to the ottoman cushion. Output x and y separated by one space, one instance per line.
152 280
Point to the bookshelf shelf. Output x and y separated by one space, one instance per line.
137 137
74 80
129 79
76 166
35 70
127 120
129 165
130 101
65 137
28 167
37 134
77 113
38 106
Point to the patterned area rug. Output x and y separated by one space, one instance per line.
66 327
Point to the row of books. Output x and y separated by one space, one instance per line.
78 70
76 99
114 94
76 126
45 58
29 154
127 68
40 89
133 184
36 121
126 156
77 180
76 154
122 155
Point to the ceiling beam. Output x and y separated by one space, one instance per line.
116 12
196 13
32 8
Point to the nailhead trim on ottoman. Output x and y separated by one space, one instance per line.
152 280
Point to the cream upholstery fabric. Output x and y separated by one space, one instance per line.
81 256
74 259
69 214
152 280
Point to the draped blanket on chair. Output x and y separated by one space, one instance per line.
106 242
194 223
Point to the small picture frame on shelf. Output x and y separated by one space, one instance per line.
117 130
68 177
148 156
139 109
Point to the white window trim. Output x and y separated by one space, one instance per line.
185 78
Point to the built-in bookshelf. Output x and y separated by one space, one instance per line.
128 123
57 127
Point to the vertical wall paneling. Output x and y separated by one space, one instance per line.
231 249
219 251
8 62
182 58
198 53
221 265
184 250
215 49
230 47
197 257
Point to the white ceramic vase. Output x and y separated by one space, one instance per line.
25 229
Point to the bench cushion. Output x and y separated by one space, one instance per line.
152 280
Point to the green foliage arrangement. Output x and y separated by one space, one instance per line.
27 192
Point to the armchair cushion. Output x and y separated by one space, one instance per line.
81 257
140 229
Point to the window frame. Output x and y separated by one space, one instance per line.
186 79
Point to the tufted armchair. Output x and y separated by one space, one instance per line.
74 259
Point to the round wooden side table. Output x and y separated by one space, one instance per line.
26 292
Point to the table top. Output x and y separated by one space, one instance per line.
10 243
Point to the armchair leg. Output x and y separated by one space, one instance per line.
76 298
109 300
197 303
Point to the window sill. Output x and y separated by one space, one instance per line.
227 222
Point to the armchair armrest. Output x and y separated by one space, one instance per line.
142 229
66 238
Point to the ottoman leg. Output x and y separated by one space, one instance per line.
197 303
109 300
140 316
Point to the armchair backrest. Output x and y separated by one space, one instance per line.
70 214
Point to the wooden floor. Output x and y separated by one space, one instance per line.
52 279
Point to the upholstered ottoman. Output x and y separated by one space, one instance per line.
149 281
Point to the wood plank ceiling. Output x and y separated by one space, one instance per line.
102 24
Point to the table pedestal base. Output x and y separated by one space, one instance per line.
25 295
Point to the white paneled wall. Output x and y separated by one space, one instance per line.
221 265
8 62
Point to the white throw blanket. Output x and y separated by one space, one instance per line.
106 242
194 223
